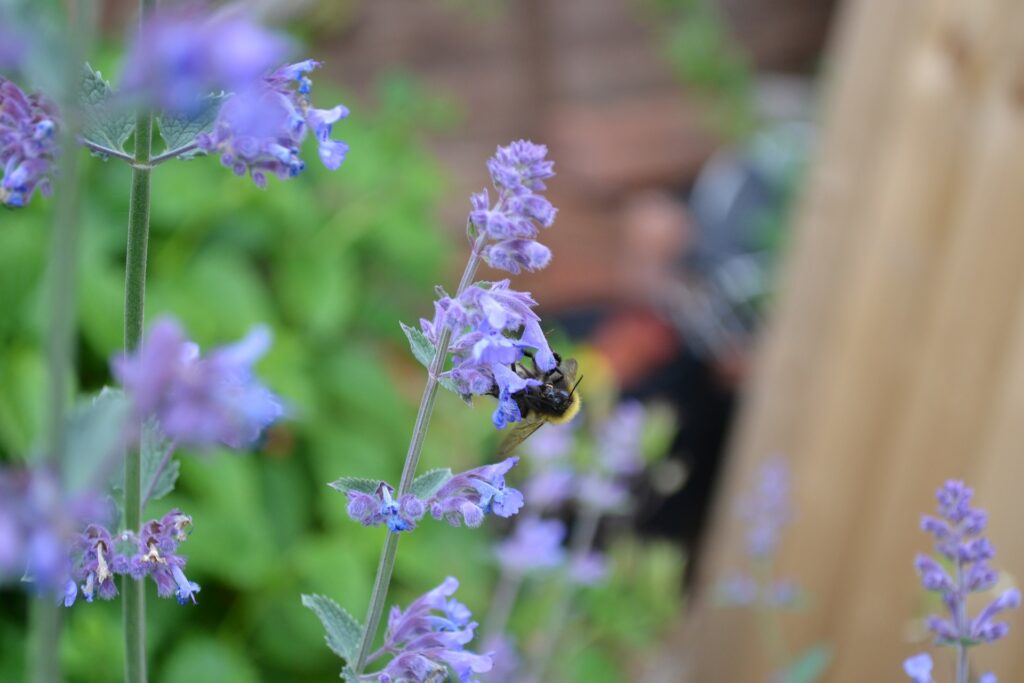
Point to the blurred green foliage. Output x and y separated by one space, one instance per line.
698 44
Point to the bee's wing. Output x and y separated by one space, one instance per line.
569 368
519 432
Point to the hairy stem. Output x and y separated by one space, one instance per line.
502 603
580 545
386 566
134 600
962 663
45 615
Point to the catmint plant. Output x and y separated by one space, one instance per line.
960 567
766 510
475 338
207 84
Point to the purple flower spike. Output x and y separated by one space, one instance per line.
29 147
957 532
535 545
767 508
157 556
428 640
382 508
199 401
180 57
493 328
469 496
511 224
260 129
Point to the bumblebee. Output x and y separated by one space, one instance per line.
554 400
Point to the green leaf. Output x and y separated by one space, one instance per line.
427 484
180 130
809 666
105 120
423 349
358 484
94 439
343 631
155 446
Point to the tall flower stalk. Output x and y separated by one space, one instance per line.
134 603
478 317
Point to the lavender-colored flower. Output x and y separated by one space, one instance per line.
620 437
536 544
382 508
180 57
470 495
505 660
428 639
957 531
260 129
551 487
588 569
737 590
493 327
156 556
98 564
766 509
511 224
28 144
553 443
919 668
199 401
602 493
12 46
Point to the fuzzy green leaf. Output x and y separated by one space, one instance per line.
423 349
93 439
180 130
358 484
427 484
105 121
155 447
343 631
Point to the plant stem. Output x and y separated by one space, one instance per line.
962 663
582 542
45 615
500 610
134 312
773 639
386 566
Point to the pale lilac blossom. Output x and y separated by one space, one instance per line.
381 508
199 401
428 639
536 544
29 127
469 496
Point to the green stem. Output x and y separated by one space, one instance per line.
386 566
581 543
504 600
45 615
134 595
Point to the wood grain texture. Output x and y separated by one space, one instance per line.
895 359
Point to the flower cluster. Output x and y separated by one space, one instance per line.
766 511
150 552
510 225
381 508
429 639
466 497
28 144
199 401
957 531
260 129
493 328
535 544
471 495
180 56
37 523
